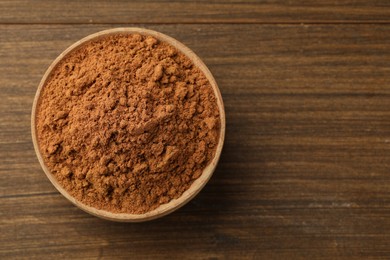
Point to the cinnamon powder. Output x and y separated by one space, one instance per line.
126 123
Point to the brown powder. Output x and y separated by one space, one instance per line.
126 123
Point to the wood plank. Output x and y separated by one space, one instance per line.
151 12
304 171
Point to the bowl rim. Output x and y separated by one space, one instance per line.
195 187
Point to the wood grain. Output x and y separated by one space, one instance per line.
305 168
204 11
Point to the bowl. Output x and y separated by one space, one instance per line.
196 186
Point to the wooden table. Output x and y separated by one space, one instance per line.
305 171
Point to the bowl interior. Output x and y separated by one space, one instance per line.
196 186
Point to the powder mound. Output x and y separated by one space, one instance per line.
126 123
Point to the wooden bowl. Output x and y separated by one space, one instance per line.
197 185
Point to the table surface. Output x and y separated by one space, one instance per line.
305 170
